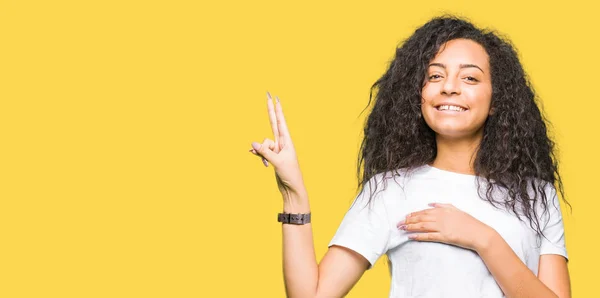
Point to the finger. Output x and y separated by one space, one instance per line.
264 150
272 118
271 146
284 133
428 237
419 227
417 219
267 143
440 205
420 213
264 161
270 143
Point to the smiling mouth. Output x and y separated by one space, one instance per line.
450 108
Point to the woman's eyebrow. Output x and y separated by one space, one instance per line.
461 66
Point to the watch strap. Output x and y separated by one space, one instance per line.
294 218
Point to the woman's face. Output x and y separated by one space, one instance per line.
458 90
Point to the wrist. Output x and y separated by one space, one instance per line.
486 239
296 203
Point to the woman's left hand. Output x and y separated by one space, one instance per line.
447 224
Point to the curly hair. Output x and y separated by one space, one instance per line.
515 155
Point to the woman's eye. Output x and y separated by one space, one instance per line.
434 77
471 79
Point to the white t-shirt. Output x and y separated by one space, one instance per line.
430 269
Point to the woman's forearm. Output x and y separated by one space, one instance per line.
300 268
513 276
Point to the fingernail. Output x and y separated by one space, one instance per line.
412 236
276 97
255 145
269 95
402 227
265 162
401 222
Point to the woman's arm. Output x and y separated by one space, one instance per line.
513 276
338 271
554 273
447 224
340 268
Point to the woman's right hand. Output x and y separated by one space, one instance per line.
280 153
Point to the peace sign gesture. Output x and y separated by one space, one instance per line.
280 153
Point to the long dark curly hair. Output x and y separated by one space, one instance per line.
516 154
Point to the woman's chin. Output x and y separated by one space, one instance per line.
455 133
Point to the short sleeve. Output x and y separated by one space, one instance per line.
553 240
365 227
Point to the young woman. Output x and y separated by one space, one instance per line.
459 149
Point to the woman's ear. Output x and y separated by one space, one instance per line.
492 111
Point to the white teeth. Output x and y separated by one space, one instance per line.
451 108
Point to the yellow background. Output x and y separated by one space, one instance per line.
125 128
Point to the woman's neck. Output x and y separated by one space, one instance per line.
457 155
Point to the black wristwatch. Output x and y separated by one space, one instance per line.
291 218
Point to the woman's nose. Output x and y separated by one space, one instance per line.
451 86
